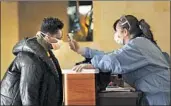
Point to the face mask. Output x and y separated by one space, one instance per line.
118 40
56 43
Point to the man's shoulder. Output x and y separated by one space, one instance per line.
27 58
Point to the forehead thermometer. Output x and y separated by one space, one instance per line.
70 35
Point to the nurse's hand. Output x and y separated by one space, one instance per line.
74 45
78 68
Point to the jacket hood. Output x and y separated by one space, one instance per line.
29 45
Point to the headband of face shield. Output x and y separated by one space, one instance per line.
55 44
123 22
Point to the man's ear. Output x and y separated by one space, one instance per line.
46 38
48 34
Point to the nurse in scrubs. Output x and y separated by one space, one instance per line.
140 60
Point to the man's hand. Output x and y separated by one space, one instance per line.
78 68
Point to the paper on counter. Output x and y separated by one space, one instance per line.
84 71
119 89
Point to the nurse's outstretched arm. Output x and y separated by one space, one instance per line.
129 58
84 51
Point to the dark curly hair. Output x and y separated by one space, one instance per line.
51 25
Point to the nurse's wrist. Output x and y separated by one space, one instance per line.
81 51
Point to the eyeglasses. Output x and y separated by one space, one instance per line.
56 35
123 20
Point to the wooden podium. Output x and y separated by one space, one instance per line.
79 87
